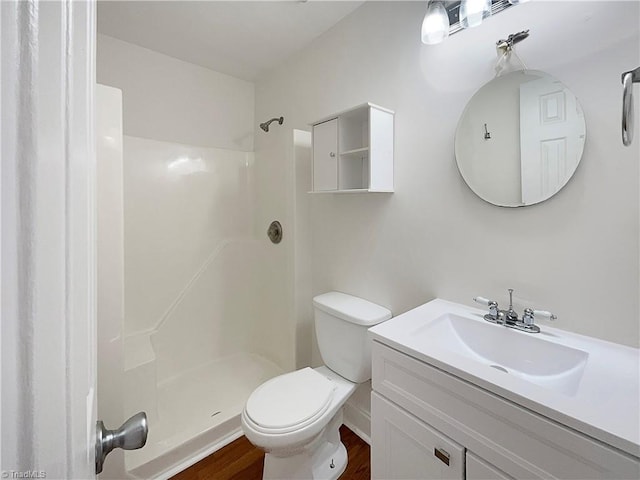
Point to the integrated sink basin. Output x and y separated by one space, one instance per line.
588 384
524 355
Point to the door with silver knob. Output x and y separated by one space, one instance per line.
130 436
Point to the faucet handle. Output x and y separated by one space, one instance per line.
544 314
482 300
493 314
527 318
493 306
529 315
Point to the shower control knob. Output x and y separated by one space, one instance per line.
130 436
274 232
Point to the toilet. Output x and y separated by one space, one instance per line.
295 417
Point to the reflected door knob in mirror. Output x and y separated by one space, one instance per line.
520 139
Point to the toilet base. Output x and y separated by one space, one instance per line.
328 464
324 459
331 466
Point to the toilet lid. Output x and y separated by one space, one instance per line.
290 400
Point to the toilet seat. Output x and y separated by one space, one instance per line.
289 402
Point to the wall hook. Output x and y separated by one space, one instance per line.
487 135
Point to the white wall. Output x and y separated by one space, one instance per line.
576 254
175 101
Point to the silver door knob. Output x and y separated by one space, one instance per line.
130 436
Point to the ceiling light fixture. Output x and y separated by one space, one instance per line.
472 12
446 17
435 25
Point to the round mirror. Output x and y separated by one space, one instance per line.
520 139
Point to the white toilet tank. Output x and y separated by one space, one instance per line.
341 323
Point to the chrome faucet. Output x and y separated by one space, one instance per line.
509 317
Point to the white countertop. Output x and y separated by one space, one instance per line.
605 404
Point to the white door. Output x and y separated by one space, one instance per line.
48 263
552 131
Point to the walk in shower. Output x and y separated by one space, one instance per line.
196 292
206 298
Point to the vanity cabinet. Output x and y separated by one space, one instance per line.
418 408
409 448
353 151
478 469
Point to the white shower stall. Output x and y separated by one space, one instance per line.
196 306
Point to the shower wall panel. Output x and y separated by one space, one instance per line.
274 333
188 247
110 268
213 318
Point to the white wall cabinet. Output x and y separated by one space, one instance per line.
353 151
415 404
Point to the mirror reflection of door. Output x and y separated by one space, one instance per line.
520 139
552 132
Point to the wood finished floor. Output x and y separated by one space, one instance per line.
242 461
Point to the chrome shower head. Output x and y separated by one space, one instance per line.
265 126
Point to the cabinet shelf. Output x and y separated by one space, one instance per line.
356 152
353 151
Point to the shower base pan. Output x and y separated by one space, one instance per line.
198 413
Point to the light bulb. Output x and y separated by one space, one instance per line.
517 2
435 26
472 12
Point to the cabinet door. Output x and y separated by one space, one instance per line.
403 447
325 156
478 469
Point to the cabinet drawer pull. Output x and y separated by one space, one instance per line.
332 155
442 455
